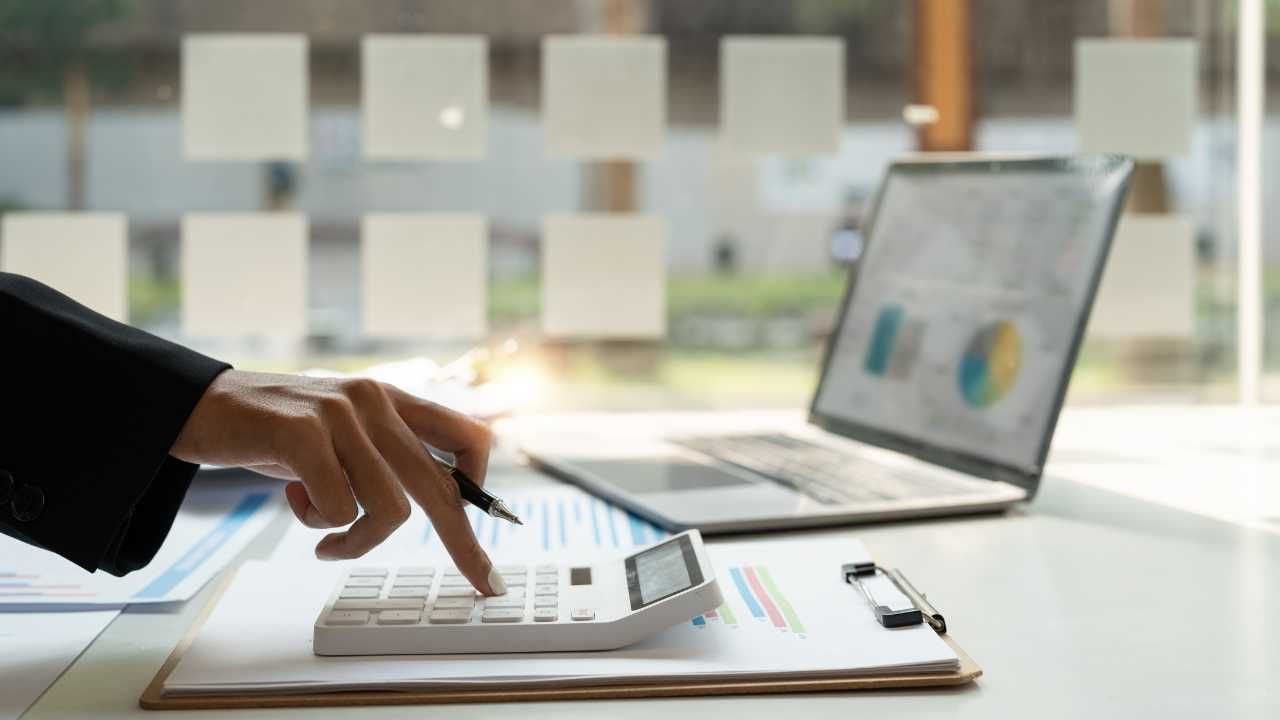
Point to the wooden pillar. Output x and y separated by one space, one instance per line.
1149 189
944 73
615 180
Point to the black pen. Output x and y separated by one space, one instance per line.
488 503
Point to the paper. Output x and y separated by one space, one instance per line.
424 96
244 97
218 519
244 274
780 616
82 255
1136 97
1148 285
603 276
557 519
425 275
604 96
782 95
37 648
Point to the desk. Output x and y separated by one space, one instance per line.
1085 603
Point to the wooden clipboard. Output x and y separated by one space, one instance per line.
153 699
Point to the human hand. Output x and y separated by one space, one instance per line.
343 443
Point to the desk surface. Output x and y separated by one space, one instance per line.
1083 603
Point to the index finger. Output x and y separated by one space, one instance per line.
467 438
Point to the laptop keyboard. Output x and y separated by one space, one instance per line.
823 473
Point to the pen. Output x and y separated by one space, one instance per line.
488 503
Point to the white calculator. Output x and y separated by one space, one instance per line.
549 607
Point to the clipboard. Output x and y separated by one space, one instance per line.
153 699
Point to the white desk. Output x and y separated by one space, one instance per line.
1085 603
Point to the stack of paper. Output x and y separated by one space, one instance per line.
781 617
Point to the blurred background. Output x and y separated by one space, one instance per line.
757 249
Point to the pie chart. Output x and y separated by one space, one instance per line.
990 365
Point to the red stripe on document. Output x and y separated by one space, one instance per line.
764 598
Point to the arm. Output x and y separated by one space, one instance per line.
90 410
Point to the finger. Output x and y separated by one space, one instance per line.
375 486
280 472
311 458
296 493
467 438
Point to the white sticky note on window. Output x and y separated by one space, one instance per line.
424 96
781 94
604 276
604 96
244 274
1135 96
1148 286
244 97
425 275
82 255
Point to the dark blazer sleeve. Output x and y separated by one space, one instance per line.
89 408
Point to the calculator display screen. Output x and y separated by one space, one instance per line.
662 571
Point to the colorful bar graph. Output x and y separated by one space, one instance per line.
763 598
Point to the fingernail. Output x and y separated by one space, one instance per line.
496 583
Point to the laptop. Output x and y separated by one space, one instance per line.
941 382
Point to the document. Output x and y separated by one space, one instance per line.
780 618
557 519
218 519
37 647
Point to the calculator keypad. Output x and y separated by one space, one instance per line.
416 595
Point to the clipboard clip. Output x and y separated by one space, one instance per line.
921 609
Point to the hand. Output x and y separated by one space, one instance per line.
344 443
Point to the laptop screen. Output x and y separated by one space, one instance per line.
963 316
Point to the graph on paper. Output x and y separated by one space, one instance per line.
753 589
215 524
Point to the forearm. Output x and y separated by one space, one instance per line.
91 409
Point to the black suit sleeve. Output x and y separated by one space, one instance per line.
90 409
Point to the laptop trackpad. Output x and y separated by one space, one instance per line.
659 476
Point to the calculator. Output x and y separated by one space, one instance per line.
421 610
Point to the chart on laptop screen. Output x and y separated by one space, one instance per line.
966 305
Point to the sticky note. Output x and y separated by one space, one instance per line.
603 276
244 97
1135 96
82 255
424 96
604 96
781 94
1148 286
424 275
244 274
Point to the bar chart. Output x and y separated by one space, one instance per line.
762 597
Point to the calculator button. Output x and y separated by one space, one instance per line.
546 590
413 580
408 592
358 593
544 601
455 603
467 591
516 580
449 617
347 617
368 572
456 581
547 568
398 604
416 570
399 617
583 614
504 602
546 579
363 582
502 615
546 614
512 569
